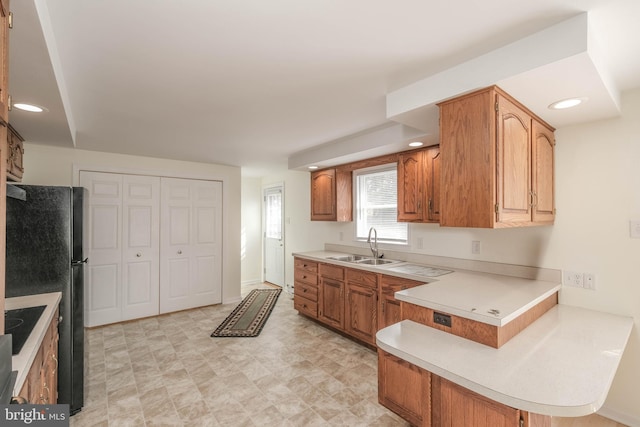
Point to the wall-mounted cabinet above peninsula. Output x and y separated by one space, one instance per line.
497 163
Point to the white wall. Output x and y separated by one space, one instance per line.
54 166
597 193
251 231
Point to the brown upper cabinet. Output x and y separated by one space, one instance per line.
497 163
419 185
4 60
331 195
15 155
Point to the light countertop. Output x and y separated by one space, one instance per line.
22 361
563 364
488 298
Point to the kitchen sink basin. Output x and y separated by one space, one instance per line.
362 259
350 258
376 261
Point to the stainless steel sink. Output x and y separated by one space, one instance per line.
376 261
349 258
362 259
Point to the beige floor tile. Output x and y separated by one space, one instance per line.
168 371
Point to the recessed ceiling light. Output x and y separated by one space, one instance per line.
415 144
28 107
313 167
567 103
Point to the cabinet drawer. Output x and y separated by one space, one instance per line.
305 306
306 265
391 284
305 290
331 271
305 276
365 278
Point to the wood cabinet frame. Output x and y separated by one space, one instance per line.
497 162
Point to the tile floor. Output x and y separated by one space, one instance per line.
168 371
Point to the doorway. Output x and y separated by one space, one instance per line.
273 211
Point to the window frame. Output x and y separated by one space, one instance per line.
357 173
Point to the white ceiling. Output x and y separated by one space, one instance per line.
252 83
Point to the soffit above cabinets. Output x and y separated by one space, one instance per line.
564 59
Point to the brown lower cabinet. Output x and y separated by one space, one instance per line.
389 305
41 385
427 400
344 298
361 305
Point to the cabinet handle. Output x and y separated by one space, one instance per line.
304 291
180 252
383 307
55 359
138 254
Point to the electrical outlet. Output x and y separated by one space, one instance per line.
341 236
634 229
589 281
475 246
573 278
419 242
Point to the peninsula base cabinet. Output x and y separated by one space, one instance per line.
427 400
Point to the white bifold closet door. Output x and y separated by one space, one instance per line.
154 245
124 247
191 233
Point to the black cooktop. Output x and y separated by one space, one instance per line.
19 323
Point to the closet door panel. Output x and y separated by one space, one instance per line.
141 246
191 267
103 292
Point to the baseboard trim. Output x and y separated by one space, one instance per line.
250 282
619 417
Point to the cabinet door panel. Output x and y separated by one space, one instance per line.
404 388
331 302
323 195
410 186
514 163
457 406
361 312
432 170
543 173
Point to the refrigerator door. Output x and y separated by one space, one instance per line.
38 241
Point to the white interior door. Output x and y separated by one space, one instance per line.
141 246
103 289
274 235
190 234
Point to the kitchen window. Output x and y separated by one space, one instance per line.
376 191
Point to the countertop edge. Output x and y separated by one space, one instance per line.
390 342
548 288
22 361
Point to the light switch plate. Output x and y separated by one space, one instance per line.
634 229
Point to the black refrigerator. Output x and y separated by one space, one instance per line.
45 254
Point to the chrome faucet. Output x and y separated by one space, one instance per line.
374 246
